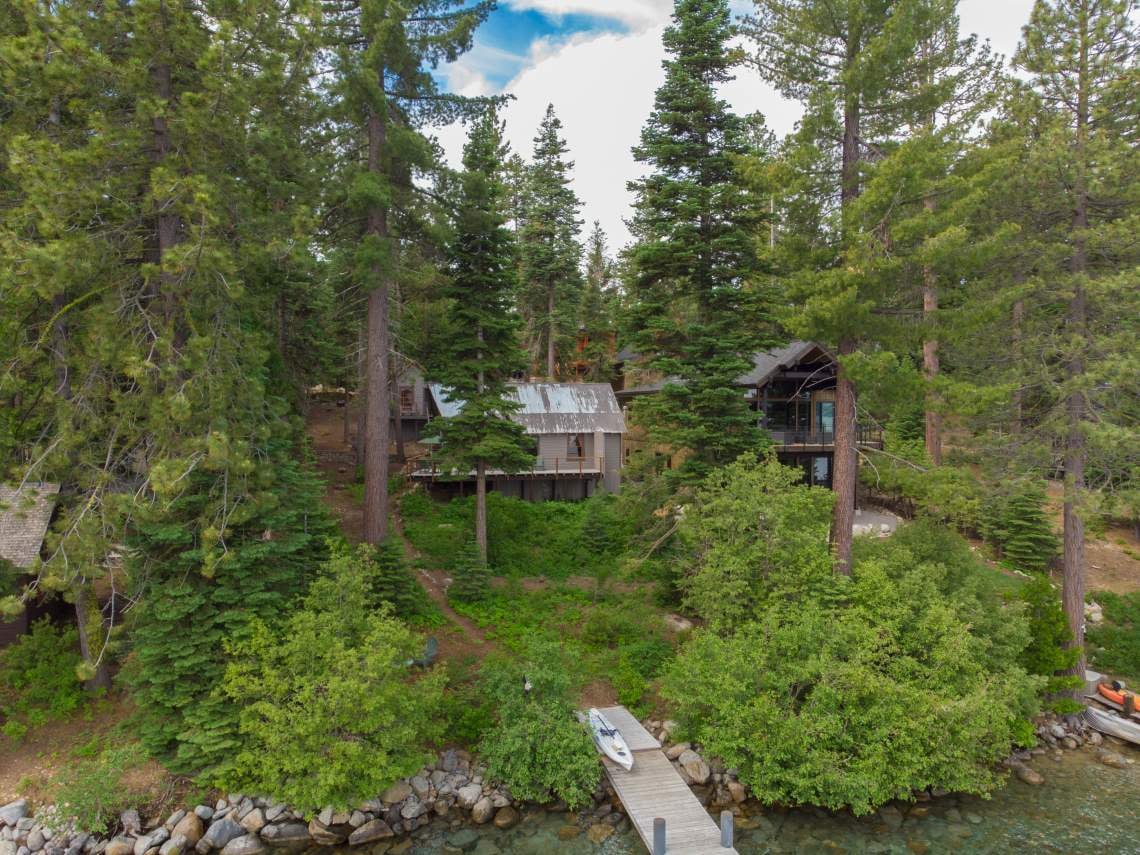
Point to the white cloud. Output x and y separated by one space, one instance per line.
602 87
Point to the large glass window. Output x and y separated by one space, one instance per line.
825 417
821 471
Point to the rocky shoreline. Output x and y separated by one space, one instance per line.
453 790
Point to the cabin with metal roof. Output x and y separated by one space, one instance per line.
792 391
577 430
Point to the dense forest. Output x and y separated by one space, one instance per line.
218 220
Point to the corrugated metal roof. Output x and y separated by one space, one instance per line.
24 518
554 407
764 365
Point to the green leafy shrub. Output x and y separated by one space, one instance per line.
471 578
524 538
1114 645
328 711
753 534
536 746
95 790
1016 524
948 494
38 679
908 681
1047 654
608 628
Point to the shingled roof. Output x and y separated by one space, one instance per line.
764 365
554 407
24 518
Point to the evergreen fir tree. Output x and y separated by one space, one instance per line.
549 250
596 317
471 578
393 582
483 350
698 309
1029 542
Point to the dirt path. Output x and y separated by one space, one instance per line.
338 466
1111 562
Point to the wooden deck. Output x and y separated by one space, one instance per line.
654 789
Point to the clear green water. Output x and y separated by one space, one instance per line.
1083 807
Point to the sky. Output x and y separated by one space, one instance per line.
599 63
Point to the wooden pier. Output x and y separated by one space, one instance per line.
654 789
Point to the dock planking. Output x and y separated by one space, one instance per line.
654 789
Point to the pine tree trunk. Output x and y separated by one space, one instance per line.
362 396
550 334
481 509
1073 561
1018 316
102 677
377 403
846 468
933 418
846 462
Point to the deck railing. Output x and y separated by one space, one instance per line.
864 436
541 466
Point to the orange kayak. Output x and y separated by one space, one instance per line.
1106 691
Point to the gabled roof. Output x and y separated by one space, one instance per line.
764 365
24 518
547 408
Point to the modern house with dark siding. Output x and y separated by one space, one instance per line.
792 392
577 430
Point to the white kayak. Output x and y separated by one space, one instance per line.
609 739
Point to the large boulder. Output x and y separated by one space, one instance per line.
377 829
696 768
482 811
323 835
190 827
247 844
253 821
506 817
396 793
176 845
220 832
468 795
131 822
13 812
120 846
287 835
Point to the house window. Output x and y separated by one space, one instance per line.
576 446
407 400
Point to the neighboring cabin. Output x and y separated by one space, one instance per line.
792 392
25 515
577 430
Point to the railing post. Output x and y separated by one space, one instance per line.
726 829
658 836
555 465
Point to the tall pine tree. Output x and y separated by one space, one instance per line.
384 96
484 348
1082 55
698 308
550 254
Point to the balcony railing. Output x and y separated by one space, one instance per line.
872 437
542 466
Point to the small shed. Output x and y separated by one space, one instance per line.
25 514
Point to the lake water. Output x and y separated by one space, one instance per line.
1083 807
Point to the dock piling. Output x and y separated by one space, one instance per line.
658 836
726 831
